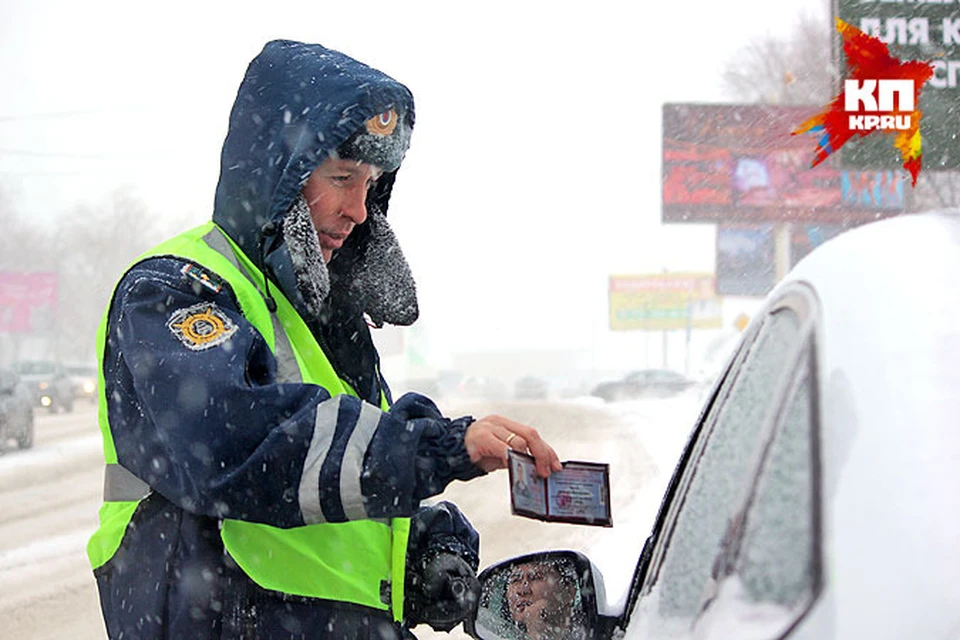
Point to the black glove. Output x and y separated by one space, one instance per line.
442 592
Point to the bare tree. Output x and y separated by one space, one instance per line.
88 248
796 71
21 241
21 251
93 247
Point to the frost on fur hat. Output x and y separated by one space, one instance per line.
381 141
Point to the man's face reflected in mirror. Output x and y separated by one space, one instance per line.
540 599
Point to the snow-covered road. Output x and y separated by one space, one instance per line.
49 498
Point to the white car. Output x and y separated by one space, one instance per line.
84 379
819 494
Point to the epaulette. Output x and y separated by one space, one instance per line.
207 280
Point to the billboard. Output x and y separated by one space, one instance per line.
664 301
925 31
745 260
739 164
807 237
746 265
28 301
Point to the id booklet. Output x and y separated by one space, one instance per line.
578 494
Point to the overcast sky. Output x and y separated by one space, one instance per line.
534 170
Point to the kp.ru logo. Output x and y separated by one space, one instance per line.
865 98
882 94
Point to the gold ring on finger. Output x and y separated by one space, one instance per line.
509 438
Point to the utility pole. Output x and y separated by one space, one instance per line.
781 244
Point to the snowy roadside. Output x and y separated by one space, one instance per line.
49 498
23 468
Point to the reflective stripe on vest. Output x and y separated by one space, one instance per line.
287 368
120 485
350 561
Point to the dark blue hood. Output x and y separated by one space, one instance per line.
296 104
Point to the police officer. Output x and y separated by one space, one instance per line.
261 482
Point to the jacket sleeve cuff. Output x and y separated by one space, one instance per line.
442 457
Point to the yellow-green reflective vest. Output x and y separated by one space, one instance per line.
347 561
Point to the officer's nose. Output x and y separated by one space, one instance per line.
354 206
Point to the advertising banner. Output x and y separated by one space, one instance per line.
745 260
745 255
28 301
739 164
804 238
664 301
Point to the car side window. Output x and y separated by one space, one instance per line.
778 562
720 470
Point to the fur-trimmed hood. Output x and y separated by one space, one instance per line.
297 104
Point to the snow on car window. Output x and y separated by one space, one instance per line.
777 560
722 471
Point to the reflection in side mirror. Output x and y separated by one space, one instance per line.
543 596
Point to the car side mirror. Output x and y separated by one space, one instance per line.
540 596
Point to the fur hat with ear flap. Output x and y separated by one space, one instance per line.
380 278
376 274
370 266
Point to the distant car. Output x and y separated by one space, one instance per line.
16 411
84 378
481 388
531 388
49 382
429 387
816 496
647 383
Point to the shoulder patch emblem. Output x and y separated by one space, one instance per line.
201 326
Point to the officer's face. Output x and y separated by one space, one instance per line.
336 192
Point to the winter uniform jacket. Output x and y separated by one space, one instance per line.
207 422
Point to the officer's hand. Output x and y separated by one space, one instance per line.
488 440
442 593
